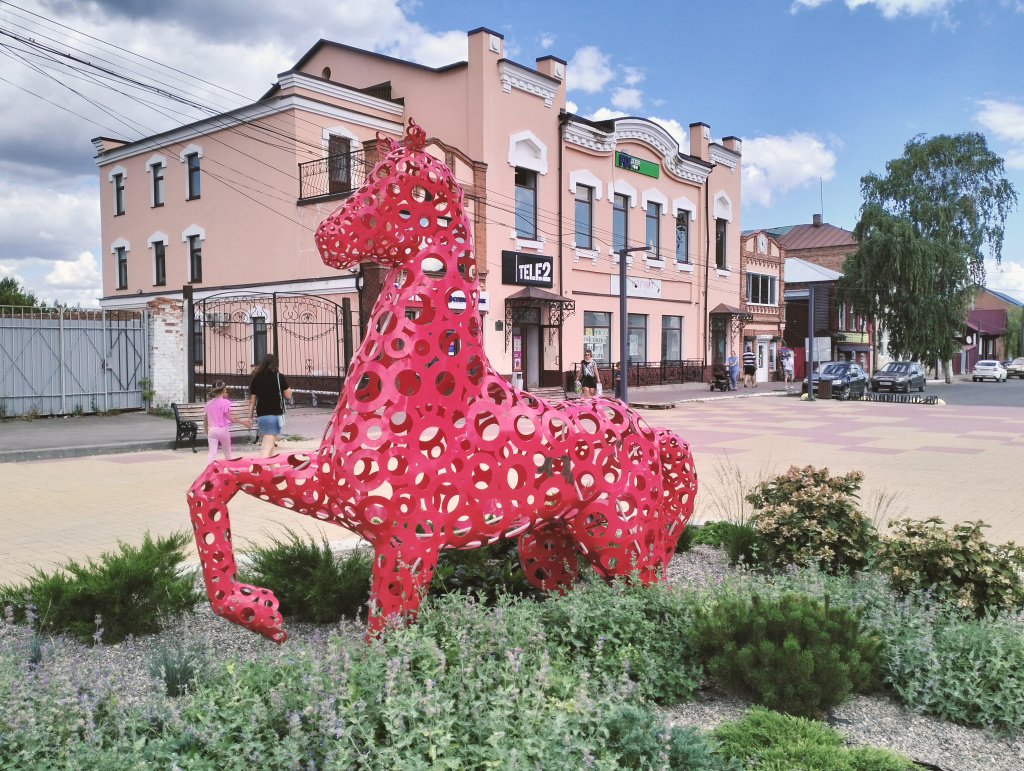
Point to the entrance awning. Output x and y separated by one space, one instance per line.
518 305
728 310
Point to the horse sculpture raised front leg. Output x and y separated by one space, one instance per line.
430 449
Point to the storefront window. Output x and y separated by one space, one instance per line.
637 336
671 338
597 335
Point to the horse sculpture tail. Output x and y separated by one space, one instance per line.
679 477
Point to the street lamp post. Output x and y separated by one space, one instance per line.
624 322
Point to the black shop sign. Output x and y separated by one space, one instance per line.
524 269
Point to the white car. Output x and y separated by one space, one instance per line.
988 369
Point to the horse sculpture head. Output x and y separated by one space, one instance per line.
410 200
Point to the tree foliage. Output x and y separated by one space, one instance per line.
923 231
12 293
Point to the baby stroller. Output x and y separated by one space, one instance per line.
720 378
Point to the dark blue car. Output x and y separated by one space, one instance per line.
848 379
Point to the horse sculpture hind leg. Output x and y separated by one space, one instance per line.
287 481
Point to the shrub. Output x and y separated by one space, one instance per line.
807 517
176 667
642 741
768 741
487 572
957 565
791 653
310 581
130 590
742 543
685 542
711 533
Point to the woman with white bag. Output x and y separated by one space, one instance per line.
590 375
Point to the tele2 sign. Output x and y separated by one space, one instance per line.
523 269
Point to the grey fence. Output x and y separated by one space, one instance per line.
63 361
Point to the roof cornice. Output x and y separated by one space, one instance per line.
293 79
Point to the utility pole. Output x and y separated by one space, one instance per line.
810 342
624 322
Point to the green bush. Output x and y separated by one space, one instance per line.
487 572
768 741
791 653
685 542
956 565
742 543
806 517
176 667
642 741
122 593
310 581
711 533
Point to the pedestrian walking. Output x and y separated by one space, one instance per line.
787 367
589 374
734 369
217 420
749 367
267 391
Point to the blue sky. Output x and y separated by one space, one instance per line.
816 88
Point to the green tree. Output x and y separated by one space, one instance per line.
1012 337
923 231
12 293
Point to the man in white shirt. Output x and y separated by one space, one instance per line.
749 367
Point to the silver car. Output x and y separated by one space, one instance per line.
988 369
1016 368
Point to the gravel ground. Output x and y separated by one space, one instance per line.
878 720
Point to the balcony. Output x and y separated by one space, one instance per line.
331 178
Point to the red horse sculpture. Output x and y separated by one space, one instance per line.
429 448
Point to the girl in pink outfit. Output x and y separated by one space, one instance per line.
218 420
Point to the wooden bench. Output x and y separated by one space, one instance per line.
552 395
188 420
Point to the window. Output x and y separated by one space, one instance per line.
159 264
761 289
584 217
195 258
683 236
338 163
720 256
841 320
118 194
193 175
157 170
526 203
122 267
259 338
597 335
671 338
636 334
620 221
653 233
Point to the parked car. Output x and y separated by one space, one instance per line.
1016 368
988 368
904 376
848 379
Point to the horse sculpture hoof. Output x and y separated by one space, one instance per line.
255 609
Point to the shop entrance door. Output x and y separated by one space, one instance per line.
762 361
526 356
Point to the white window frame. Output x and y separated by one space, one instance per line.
622 187
120 243
113 190
190 149
653 195
584 177
773 281
156 160
684 204
723 207
191 230
516 157
158 237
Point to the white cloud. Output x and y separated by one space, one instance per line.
675 128
48 221
1006 121
546 41
633 75
76 282
774 164
1007 277
605 113
571 106
890 9
588 70
627 98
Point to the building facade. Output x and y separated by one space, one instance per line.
227 208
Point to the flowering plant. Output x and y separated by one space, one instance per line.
806 517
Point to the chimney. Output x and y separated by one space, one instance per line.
700 140
551 66
816 220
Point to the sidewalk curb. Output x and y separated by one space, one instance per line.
670 405
121 448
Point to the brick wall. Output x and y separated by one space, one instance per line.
167 350
831 257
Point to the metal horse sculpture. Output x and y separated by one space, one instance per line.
430 449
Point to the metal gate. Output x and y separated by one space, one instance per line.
311 336
63 361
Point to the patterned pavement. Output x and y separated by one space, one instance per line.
955 462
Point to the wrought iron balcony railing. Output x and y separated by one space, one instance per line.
335 176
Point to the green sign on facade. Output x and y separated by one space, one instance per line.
639 165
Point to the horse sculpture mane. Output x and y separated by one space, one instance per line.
429 448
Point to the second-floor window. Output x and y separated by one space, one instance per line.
338 164
584 217
526 203
122 267
620 221
193 175
761 289
683 236
118 194
653 232
195 258
158 184
720 255
159 264
842 316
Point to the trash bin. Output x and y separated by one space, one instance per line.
824 388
